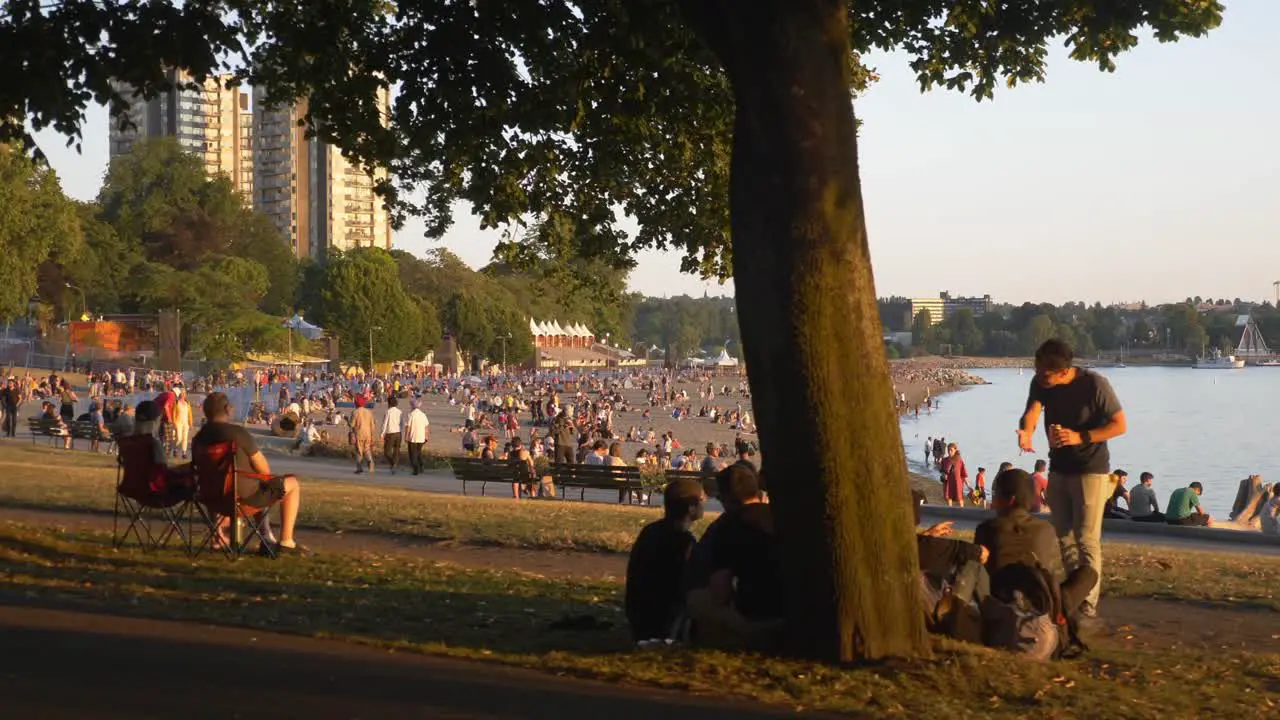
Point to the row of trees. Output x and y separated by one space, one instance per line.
162 234
1009 330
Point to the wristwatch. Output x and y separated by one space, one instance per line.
1086 438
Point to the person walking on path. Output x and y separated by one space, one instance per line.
417 430
362 435
1081 413
392 423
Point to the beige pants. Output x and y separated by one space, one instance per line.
182 439
1076 503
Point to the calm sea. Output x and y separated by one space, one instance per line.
1208 425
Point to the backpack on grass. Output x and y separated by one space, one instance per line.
1024 615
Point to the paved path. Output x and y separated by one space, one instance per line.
69 664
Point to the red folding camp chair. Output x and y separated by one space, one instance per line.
144 495
216 498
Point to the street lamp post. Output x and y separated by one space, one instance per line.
504 339
371 329
84 304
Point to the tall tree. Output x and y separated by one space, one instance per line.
37 223
724 128
363 304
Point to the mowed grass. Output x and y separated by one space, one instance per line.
44 478
507 617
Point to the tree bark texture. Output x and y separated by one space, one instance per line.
811 331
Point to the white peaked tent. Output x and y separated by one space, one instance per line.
724 360
309 331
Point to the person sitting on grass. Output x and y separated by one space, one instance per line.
1015 536
254 493
653 600
734 577
1184 507
954 577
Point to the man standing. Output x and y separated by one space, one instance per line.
566 441
391 426
10 399
362 434
417 430
1082 413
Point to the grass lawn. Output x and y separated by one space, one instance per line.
44 478
506 617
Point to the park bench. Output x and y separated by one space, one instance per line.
41 427
708 481
89 430
475 470
597 477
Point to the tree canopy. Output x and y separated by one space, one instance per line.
724 128
37 223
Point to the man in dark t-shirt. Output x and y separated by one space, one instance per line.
734 576
653 599
1081 414
253 491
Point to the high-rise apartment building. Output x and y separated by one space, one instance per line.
212 121
315 196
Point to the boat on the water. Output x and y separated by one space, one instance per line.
1215 360
1269 363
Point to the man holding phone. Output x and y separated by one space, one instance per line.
1081 413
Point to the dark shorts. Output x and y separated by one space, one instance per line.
269 493
1193 520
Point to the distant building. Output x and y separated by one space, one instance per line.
318 199
212 121
944 306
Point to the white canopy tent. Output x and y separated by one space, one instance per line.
724 360
309 331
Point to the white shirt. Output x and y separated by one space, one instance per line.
594 458
416 426
391 422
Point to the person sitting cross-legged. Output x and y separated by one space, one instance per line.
254 493
653 601
734 576
1016 537
1184 507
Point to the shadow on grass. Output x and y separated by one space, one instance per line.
386 602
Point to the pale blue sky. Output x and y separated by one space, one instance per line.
1156 182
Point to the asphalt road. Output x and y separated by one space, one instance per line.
67 664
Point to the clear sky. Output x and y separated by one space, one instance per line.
1157 182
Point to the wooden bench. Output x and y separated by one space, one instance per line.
597 477
41 427
473 470
89 430
708 481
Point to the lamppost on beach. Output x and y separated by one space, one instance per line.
371 329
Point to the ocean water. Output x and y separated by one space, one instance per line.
1215 426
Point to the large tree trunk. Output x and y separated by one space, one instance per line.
811 331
